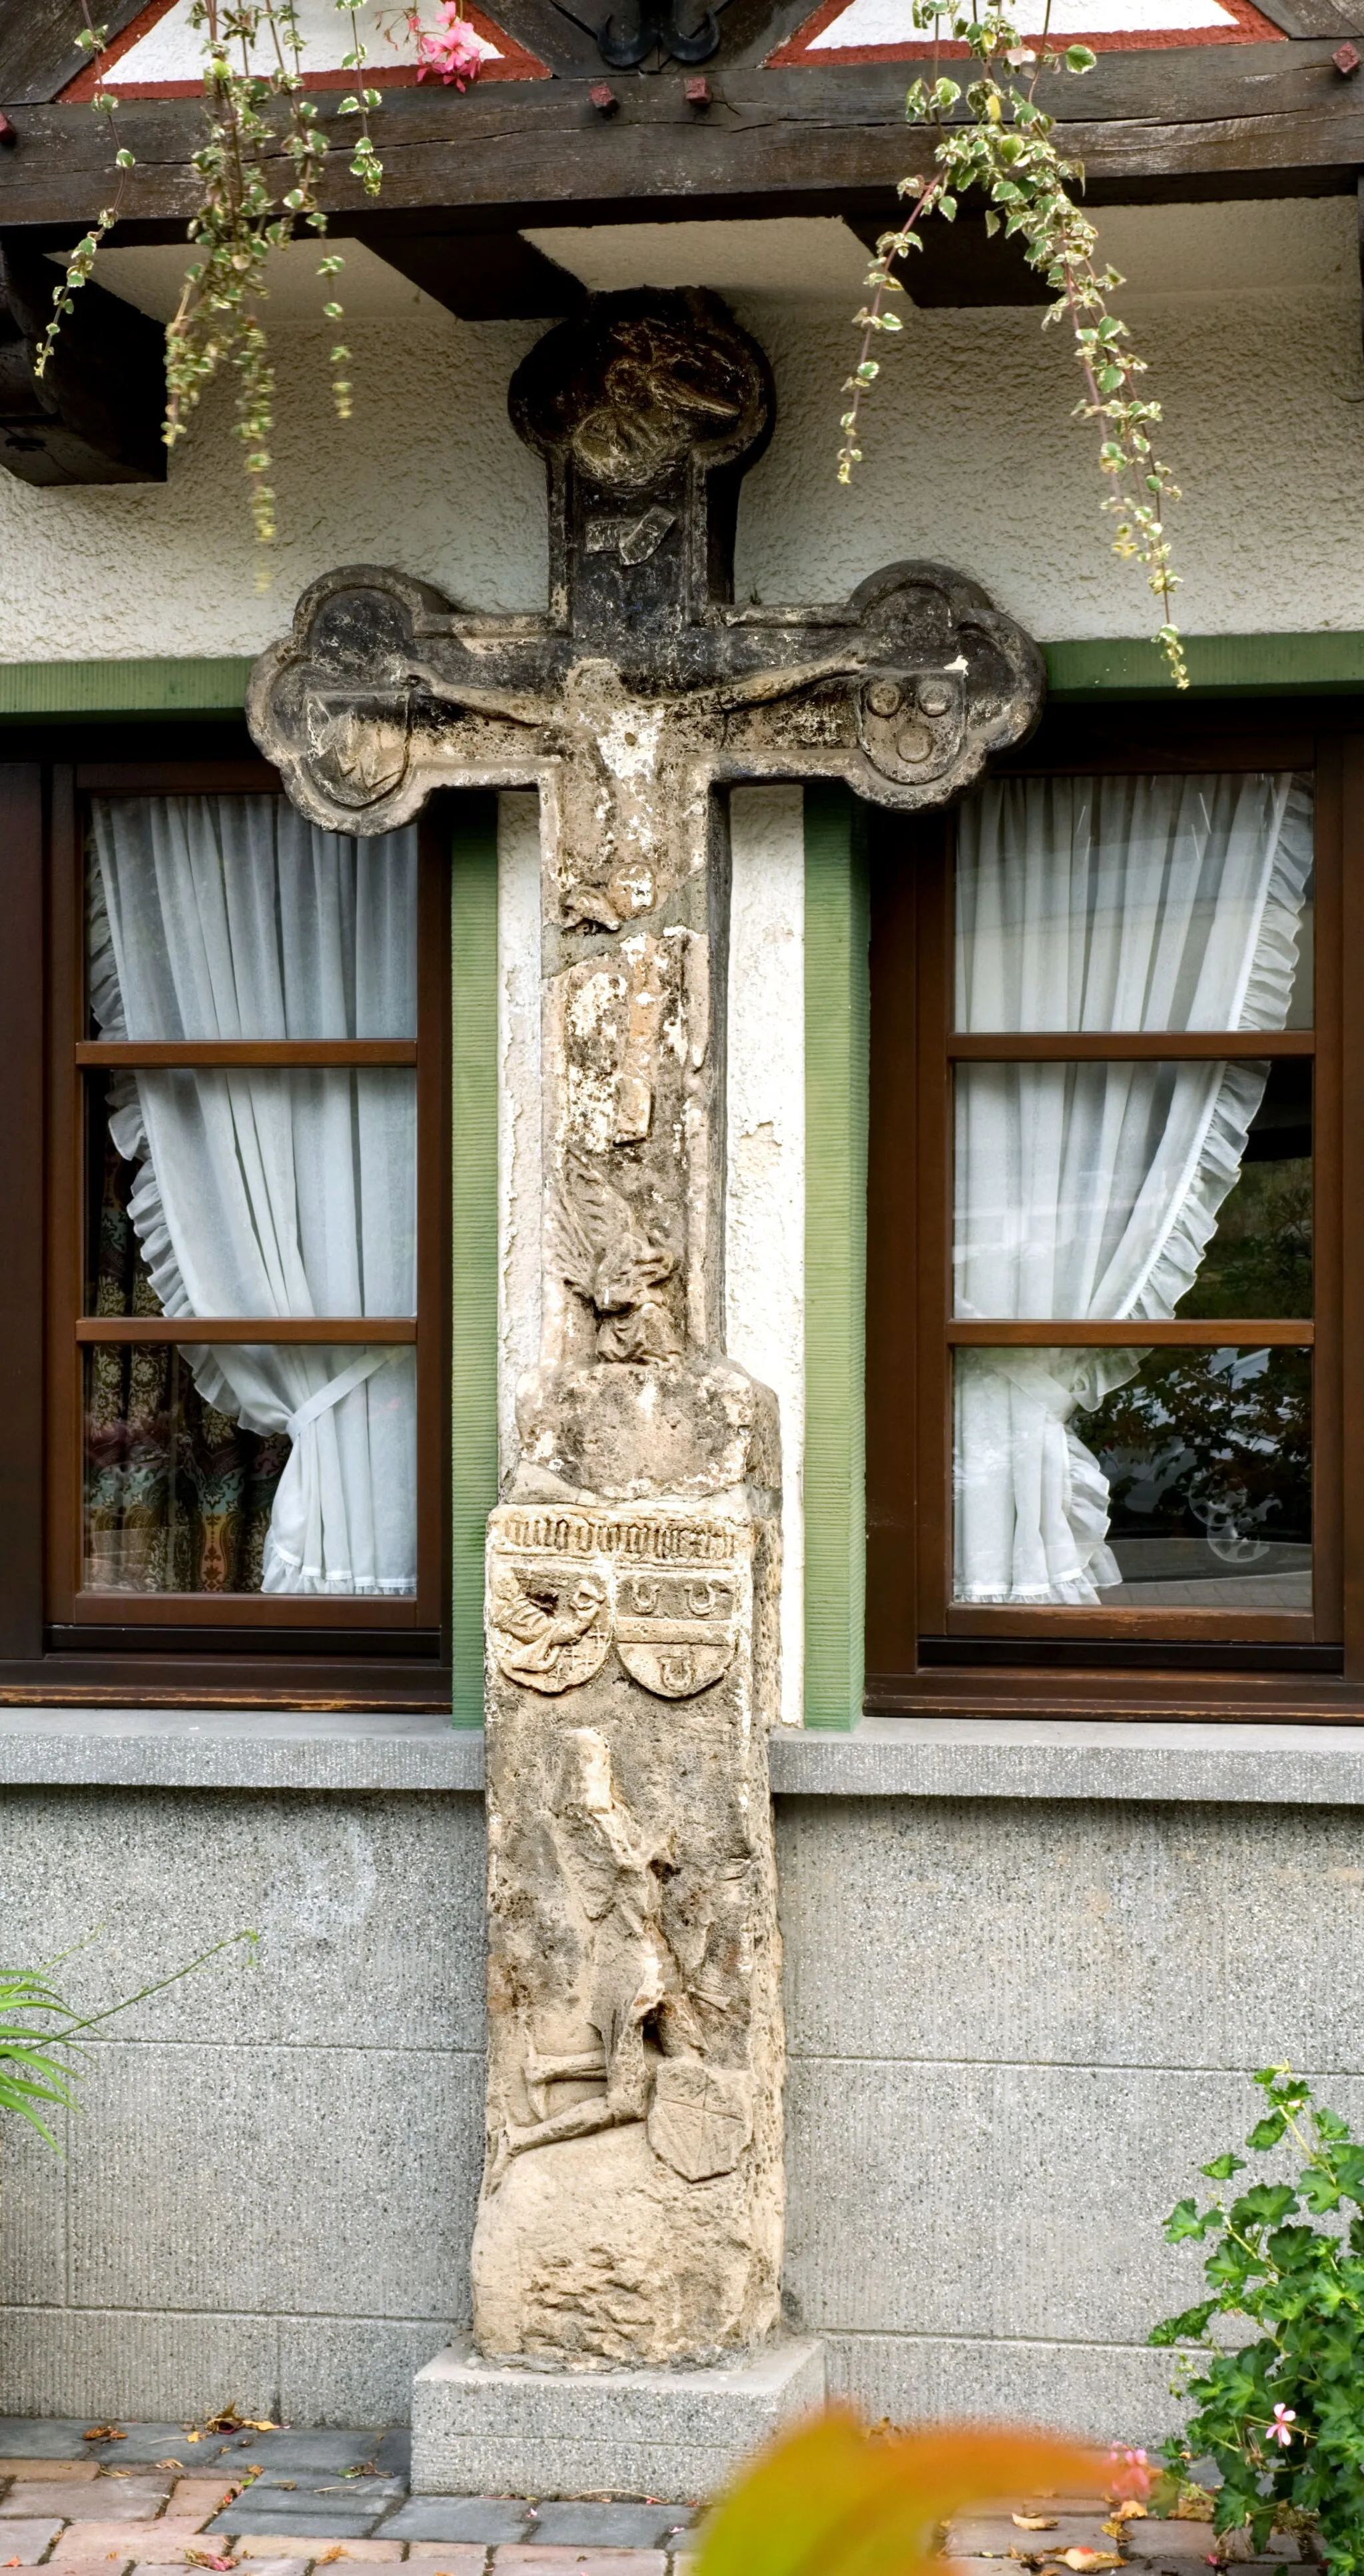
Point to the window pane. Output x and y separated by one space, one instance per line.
1144 1479
1146 1189
253 1193
1135 903
286 1468
232 917
1259 1259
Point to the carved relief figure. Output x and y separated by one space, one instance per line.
551 1624
611 1877
606 1256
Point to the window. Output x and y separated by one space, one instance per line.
244 1442
1108 1373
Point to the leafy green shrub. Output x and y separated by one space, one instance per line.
1282 2416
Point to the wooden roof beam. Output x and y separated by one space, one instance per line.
95 415
1179 122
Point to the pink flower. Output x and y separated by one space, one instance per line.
450 50
1130 2478
1284 2417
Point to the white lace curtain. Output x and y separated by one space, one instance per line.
1092 1189
272 1193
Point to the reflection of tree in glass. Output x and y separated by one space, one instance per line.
1208 1439
1259 1261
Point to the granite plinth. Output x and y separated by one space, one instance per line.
492 2428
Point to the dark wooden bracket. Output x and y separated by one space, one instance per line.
95 415
487 276
959 263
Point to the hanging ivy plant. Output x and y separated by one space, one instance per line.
1004 149
260 128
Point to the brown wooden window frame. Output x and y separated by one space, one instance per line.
923 1651
58 1641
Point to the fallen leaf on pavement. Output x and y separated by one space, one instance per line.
1084 2561
1035 2521
104 2433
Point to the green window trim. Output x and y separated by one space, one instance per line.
1087 667
837 1029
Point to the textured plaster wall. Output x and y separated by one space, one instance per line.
765 1159
1015 2029
1248 313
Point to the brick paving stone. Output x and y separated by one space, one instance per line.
112 2564
42 2438
258 2513
1183 2544
316 2544
440 2519
27 2540
533 2561
359 2562
83 2496
609 2526
278 2491
446 2558
201 2496
147 2445
54 2471
156 2543
317 2454
110 2499
985 2535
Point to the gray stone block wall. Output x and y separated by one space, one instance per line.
1016 2029
267 2194
1016 2025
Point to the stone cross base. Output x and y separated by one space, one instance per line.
492 2428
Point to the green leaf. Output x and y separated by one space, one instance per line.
1223 2167
1078 58
1184 2221
1264 2206
1267 2133
1185 2328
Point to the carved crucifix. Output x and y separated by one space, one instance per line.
631 2206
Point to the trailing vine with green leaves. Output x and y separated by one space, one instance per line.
1005 151
260 127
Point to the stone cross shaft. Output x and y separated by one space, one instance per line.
631 2206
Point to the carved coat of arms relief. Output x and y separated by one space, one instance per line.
567 1587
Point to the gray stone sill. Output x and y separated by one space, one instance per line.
883 1757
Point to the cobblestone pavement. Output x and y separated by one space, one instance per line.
110 2500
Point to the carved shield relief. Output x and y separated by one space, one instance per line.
675 1633
358 744
550 1621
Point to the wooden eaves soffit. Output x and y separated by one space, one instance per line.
620 110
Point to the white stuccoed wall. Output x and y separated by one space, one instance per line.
1249 315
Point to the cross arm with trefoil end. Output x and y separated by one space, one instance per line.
645 684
